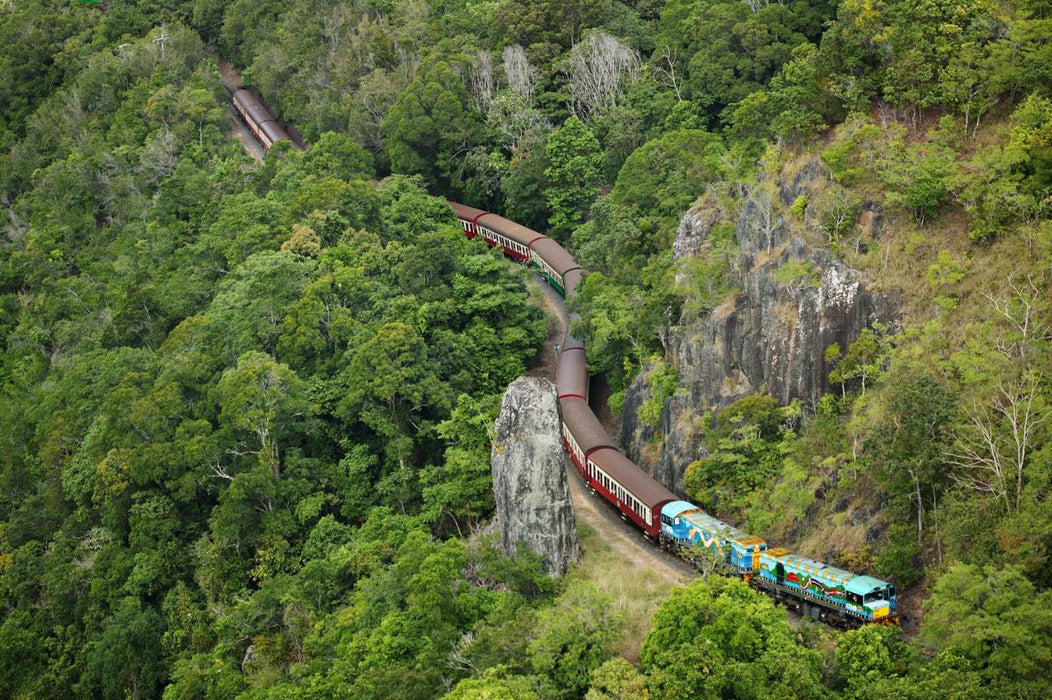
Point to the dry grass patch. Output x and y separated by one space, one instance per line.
636 592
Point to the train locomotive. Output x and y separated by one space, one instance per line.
815 589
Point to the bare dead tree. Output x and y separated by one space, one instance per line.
1022 306
159 155
732 162
757 5
598 69
16 228
668 67
480 82
219 471
991 452
335 30
458 660
760 197
520 74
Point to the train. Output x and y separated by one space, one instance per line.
815 589
263 125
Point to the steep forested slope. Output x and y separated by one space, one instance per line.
245 406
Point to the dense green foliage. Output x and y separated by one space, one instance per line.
246 405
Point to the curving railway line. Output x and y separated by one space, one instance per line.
816 589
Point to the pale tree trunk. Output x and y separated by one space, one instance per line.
599 66
520 75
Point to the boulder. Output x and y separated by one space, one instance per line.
529 476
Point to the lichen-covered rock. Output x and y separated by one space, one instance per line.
529 477
695 227
771 337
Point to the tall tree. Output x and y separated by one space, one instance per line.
430 125
573 174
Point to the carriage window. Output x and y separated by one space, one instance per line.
854 598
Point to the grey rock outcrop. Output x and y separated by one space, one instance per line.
770 337
529 477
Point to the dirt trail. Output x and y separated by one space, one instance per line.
624 540
229 75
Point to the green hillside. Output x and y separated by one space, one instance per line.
246 406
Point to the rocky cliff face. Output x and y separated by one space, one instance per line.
529 477
794 301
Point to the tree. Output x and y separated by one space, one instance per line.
718 638
996 620
789 108
908 451
599 67
250 305
616 679
993 450
392 385
521 76
865 358
430 125
461 489
747 445
732 50
665 175
574 637
869 655
573 174
126 656
265 398
494 685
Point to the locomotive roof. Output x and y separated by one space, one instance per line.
676 508
507 227
632 478
555 255
586 428
864 584
571 377
797 562
700 518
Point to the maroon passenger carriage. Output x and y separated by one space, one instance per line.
514 239
468 216
258 118
635 493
